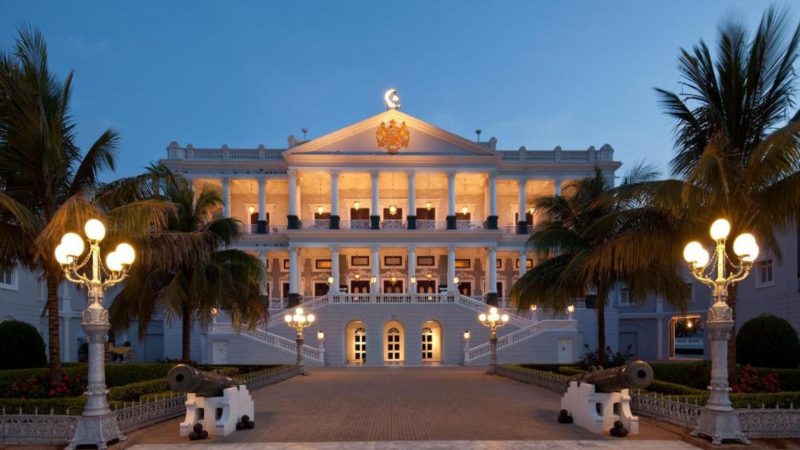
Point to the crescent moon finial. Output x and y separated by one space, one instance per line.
392 99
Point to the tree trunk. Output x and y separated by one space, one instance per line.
53 328
732 294
600 307
186 334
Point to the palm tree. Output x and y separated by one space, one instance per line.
195 286
588 242
45 180
737 154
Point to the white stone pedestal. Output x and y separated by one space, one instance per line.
96 430
218 415
597 411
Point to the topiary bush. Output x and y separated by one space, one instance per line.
768 341
21 346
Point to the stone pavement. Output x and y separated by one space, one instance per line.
434 445
401 404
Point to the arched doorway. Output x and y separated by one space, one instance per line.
431 342
394 342
356 342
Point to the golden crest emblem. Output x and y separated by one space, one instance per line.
393 136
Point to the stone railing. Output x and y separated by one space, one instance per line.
605 154
272 339
224 153
58 429
509 339
764 423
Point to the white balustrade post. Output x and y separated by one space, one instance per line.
523 261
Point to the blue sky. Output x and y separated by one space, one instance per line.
243 73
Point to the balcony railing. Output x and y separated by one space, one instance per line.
363 224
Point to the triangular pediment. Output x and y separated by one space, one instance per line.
361 139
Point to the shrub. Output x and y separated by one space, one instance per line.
751 380
693 374
134 391
40 386
122 374
613 359
22 346
768 341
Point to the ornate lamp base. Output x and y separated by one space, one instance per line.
720 426
96 430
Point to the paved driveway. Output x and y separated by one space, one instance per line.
401 404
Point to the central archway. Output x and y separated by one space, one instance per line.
394 342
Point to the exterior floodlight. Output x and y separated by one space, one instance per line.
73 244
745 247
95 230
571 309
413 280
455 280
464 210
720 229
392 209
356 205
466 335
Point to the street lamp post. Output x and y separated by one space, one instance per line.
300 321
98 425
493 320
718 420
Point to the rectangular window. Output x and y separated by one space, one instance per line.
323 264
764 273
8 279
359 261
392 261
463 263
426 261
625 296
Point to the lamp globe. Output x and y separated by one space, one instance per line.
73 244
126 253
720 229
745 247
95 230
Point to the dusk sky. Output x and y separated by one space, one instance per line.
243 73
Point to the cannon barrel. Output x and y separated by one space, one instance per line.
637 375
183 378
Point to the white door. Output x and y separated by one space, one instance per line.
565 355
219 352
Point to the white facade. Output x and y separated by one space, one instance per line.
414 239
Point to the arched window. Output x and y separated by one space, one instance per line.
427 344
393 344
360 345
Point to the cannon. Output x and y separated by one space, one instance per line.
636 375
216 404
184 378
599 398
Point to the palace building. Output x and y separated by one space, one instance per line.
396 234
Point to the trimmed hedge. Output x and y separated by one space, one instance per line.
768 341
23 346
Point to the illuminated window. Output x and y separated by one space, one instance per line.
393 345
625 295
360 345
427 344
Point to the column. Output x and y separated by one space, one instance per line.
451 200
334 200
226 196
293 220
262 205
376 270
411 217
523 261
411 265
557 186
451 269
522 224
491 220
375 214
335 269
491 276
262 281
294 277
